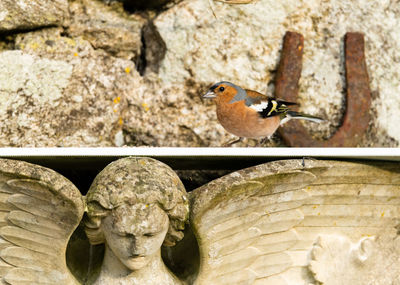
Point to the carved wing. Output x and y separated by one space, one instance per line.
259 225
244 223
39 210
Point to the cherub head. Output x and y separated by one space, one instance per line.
135 205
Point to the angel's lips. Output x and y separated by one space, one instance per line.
136 256
137 262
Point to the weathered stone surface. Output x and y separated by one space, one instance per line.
59 91
242 44
135 205
170 115
283 222
31 14
107 27
98 99
41 209
299 222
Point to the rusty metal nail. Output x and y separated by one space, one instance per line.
358 96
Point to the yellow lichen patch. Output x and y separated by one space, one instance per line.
117 100
382 214
120 121
145 106
142 162
75 54
300 47
127 70
115 110
70 42
34 45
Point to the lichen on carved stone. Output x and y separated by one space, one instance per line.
140 181
283 222
261 225
40 210
336 260
134 206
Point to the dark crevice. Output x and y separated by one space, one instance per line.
140 61
142 5
7 42
65 33
153 50
23 30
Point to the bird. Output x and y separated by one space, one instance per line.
250 114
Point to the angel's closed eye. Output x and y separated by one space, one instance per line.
124 234
151 234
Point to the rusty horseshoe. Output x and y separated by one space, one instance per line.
358 96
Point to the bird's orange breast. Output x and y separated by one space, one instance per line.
243 121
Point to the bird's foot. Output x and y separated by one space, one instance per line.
230 143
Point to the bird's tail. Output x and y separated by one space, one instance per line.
297 115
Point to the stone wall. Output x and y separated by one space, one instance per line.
93 73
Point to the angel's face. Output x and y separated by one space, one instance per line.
135 233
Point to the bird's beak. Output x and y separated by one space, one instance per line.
210 94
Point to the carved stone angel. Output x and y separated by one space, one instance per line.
283 222
133 206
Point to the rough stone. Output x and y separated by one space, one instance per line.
170 115
59 91
31 14
107 27
87 69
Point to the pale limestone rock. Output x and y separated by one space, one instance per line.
59 91
242 45
31 14
23 73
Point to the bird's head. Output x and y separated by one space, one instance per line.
224 91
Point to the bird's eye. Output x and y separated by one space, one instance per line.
221 88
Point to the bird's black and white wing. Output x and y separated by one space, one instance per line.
39 210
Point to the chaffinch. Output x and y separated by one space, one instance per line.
249 114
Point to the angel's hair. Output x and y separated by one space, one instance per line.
137 180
